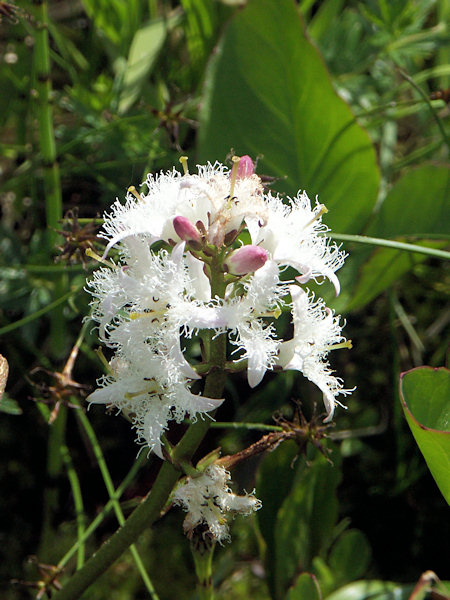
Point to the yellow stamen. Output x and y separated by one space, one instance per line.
348 344
130 396
135 193
184 162
270 313
152 313
93 254
149 389
234 170
105 363
323 210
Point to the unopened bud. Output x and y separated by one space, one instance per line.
245 167
186 230
246 259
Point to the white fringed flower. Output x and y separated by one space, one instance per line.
208 498
293 233
147 302
204 198
316 332
151 389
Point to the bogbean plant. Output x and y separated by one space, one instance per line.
211 254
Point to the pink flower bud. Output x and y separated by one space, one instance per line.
245 167
246 259
186 230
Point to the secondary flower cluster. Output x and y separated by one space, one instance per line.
189 232
207 499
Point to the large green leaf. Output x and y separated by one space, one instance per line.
268 94
425 396
418 206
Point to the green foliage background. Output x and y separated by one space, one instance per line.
343 98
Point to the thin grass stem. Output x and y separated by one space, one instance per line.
89 430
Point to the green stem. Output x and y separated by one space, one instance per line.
362 239
78 502
107 508
429 104
55 444
147 512
111 492
250 426
39 313
52 181
202 549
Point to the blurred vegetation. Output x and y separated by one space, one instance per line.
358 113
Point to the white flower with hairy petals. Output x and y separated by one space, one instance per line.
151 390
208 498
204 198
149 300
316 332
293 234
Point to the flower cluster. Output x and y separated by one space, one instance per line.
205 252
207 498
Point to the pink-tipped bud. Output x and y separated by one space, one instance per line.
186 230
245 167
246 259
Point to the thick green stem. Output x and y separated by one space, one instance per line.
202 548
85 423
148 511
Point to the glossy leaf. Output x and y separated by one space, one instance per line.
275 477
425 396
417 204
268 94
